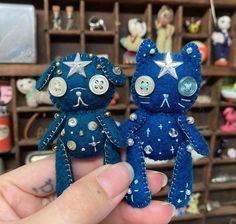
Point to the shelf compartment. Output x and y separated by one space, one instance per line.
195 36
224 161
222 186
28 142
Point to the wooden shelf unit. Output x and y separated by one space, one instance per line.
53 43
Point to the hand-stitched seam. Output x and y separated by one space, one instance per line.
68 170
47 140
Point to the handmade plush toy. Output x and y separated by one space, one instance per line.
165 29
131 43
81 86
33 96
193 25
221 41
164 87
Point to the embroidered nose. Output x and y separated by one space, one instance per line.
78 93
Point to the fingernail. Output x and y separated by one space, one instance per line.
174 211
164 180
116 179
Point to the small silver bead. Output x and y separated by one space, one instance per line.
152 51
133 117
190 120
129 191
189 50
173 133
189 148
130 142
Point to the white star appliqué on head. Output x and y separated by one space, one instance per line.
168 66
76 66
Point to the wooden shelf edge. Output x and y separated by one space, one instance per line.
28 142
100 33
223 211
23 109
186 217
224 161
22 70
222 186
64 32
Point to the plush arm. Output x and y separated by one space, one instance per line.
195 138
135 122
52 132
111 130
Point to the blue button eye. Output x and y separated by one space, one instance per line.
187 86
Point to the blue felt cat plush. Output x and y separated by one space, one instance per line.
164 87
81 86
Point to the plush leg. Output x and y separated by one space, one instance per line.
64 176
181 186
112 155
138 195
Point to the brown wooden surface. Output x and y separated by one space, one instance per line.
116 13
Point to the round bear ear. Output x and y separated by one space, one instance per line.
146 50
113 73
46 76
190 52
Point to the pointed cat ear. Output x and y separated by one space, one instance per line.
146 49
191 52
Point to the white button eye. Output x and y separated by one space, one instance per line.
144 85
57 87
98 84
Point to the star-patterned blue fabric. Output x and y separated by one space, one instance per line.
164 87
81 86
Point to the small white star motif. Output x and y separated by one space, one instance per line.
76 66
168 66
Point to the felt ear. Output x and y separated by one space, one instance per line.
146 49
191 52
113 73
46 76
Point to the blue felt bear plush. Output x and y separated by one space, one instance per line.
164 87
81 86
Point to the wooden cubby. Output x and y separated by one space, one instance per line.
51 43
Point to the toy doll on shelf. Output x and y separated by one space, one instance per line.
131 43
193 25
230 117
56 17
221 41
69 17
165 29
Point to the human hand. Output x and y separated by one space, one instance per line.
27 195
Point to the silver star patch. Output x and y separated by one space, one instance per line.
76 66
168 66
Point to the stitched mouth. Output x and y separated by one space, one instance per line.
80 101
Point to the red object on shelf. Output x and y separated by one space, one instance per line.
5 134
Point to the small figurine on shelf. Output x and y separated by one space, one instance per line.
228 91
69 17
165 29
33 97
96 23
56 18
193 25
221 41
230 117
222 146
115 99
137 29
203 50
193 206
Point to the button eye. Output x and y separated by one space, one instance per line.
98 84
57 87
144 85
187 86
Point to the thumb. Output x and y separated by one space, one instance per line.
90 199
